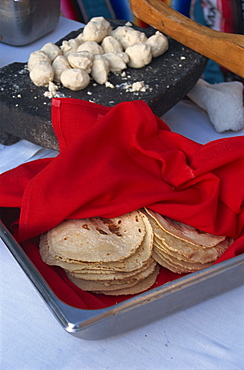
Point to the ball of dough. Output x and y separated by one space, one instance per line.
80 38
139 55
36 57
81 59
75 79
69 46
158 43
119 32
100 69
96 29
111 45
59 65
92 46
117 61
42 73
52 50
128 36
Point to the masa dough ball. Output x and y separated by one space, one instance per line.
42 73
75 79
117 61
96 29
69 46
119 33
82 60
139 54
52 50
111 45
80 38
59 65
92 47
36 57
128 36
100 69
158 43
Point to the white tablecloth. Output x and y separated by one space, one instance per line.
207 336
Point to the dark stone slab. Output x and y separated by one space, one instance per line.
26 112
8 139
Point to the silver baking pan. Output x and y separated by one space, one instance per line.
139 310
24 21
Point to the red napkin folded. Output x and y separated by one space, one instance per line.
115 160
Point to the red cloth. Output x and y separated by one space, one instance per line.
68 10
115 160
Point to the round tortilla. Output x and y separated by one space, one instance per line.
140 287
129 264
187 253
120 276
185 232
183 266
188 250
97 239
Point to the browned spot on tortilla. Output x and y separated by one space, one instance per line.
101 231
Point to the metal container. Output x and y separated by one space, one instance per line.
24 21
154 304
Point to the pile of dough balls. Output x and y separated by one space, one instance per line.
95 52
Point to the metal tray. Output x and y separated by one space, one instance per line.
139 310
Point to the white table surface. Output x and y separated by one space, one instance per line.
207 336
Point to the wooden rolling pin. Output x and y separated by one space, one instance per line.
224 48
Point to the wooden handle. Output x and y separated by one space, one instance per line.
224 48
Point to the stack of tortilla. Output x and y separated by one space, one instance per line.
108 256
182 248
